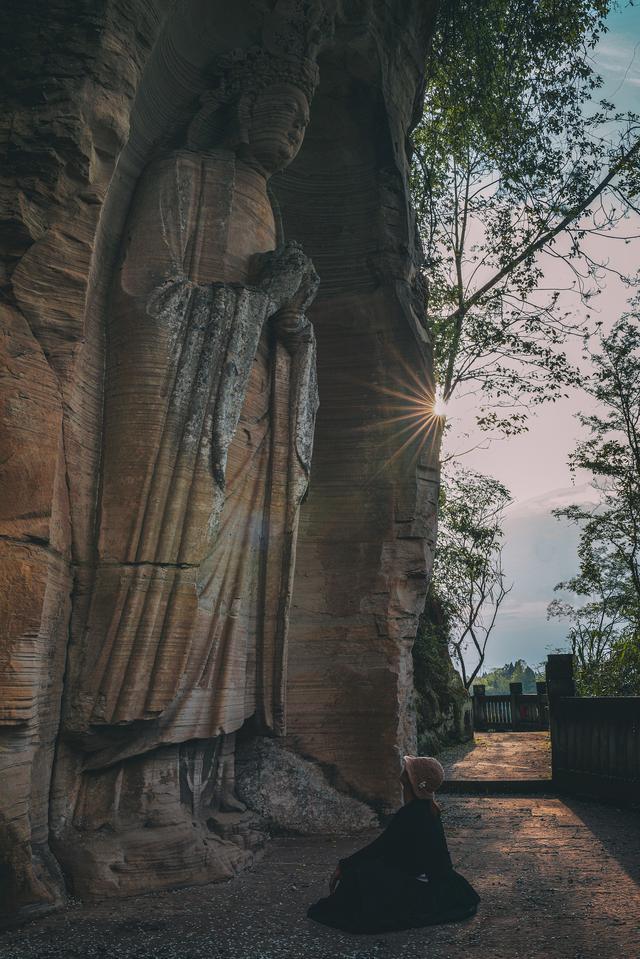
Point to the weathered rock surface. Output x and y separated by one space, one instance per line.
367 527
63 121
93 95
142 825
293 794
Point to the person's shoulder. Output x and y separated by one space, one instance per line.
422 809
415 808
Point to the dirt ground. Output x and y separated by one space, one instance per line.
558 879
499 756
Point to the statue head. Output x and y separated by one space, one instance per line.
259 107
278 120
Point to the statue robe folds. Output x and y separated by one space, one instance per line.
208 434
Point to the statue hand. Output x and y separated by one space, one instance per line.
288 276
292 328
306 292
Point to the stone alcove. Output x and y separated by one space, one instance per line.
115 83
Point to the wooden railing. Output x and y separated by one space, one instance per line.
595 741
596 746
514 710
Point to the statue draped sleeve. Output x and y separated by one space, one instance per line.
208 432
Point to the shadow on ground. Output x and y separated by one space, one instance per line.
606 831
555 880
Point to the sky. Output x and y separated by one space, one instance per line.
539 550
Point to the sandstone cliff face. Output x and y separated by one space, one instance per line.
65 119
88 85
364 548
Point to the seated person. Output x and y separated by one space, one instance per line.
404 878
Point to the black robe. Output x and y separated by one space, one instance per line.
379 890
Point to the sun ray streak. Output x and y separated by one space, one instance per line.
405 414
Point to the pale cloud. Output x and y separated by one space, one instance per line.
615 53
525 609
543 504
617 59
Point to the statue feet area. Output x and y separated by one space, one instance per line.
194 813
149 824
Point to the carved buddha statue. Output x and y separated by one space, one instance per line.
210 399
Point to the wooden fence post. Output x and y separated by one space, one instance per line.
515 690
559 683
543 704
479 714
560 676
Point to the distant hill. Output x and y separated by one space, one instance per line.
497 681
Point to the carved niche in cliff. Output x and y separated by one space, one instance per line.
158 403
209 403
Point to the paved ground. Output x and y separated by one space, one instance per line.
558 880
500 756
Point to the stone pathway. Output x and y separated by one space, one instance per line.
558 879
500 756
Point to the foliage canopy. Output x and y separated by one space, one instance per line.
468 578
514 160
497 680
604 624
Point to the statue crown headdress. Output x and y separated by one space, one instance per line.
291 39
245 73
250 71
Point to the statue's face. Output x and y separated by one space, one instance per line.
279 118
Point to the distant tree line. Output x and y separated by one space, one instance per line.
497 680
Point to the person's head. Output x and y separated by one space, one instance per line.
259 108
421 776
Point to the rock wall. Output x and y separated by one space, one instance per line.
70 72
90 84
367 529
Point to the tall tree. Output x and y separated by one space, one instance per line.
468 578
514 167
604 624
